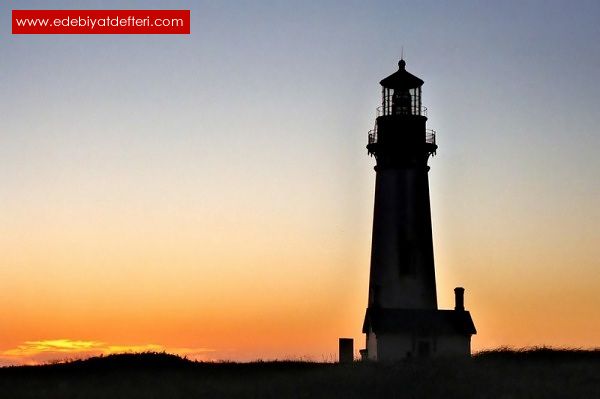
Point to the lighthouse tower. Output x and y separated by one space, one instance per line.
402 318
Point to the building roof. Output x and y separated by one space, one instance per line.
418 320
401 79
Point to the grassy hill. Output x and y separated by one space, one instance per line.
539 373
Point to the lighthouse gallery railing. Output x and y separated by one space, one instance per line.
429 136
414 110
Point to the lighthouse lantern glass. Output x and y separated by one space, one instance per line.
401 101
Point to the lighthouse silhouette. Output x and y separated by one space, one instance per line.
402 318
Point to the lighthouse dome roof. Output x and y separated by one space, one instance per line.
402 79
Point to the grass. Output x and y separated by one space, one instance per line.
504 373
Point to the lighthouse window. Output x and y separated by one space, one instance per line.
402 102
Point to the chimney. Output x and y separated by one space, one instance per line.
459 298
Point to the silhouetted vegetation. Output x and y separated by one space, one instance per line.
504 373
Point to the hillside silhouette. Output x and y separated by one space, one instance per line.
538 373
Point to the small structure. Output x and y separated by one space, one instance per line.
346 350
394 334
402 319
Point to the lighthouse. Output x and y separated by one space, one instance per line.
402 318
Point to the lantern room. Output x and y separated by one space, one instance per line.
400 127
401 93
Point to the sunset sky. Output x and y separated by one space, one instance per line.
211 194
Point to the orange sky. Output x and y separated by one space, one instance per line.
89 289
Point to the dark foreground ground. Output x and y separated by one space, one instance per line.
540 373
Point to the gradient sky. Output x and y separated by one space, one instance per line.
211 194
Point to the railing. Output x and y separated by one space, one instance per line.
429 136
381 111
373 136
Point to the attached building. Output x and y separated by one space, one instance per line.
395 334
